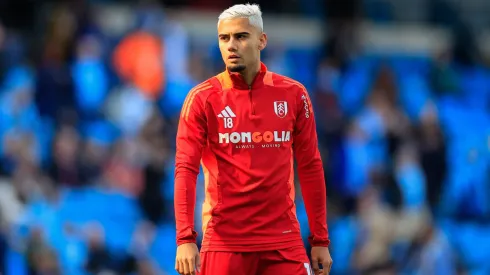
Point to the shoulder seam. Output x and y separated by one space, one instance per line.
294 82
303 91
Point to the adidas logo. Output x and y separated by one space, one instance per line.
227 112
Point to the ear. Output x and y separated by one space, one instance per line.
262 41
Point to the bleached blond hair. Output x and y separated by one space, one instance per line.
250 11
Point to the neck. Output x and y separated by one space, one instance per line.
249 75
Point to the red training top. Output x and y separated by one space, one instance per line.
245 138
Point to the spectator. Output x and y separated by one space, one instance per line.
378 229
433 157
431 253
40 257
123 171
90 77
138 61
54 87
65 168
99 259
151 197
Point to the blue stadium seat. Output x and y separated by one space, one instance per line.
119 220
164 248
302 218
77 205
473 243
357 166
15 263
343 234
71 251
91 84
468 156
355 85
101 131
175 93
475 87
411 181
414 94
305 61
405 65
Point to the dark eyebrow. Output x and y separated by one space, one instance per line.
242 33
239 33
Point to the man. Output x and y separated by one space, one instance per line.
243 126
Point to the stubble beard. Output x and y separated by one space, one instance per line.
237 68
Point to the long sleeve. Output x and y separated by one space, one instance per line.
310 171
191 138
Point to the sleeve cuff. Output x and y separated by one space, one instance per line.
318 242
187 239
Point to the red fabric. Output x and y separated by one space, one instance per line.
289 261
245 140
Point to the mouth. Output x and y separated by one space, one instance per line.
233 57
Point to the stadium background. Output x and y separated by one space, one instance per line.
90 93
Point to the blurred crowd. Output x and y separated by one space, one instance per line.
87 139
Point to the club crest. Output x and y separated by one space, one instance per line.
281 108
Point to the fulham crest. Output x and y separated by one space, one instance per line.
281 108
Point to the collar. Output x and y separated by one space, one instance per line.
235 80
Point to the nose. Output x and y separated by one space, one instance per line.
232 45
